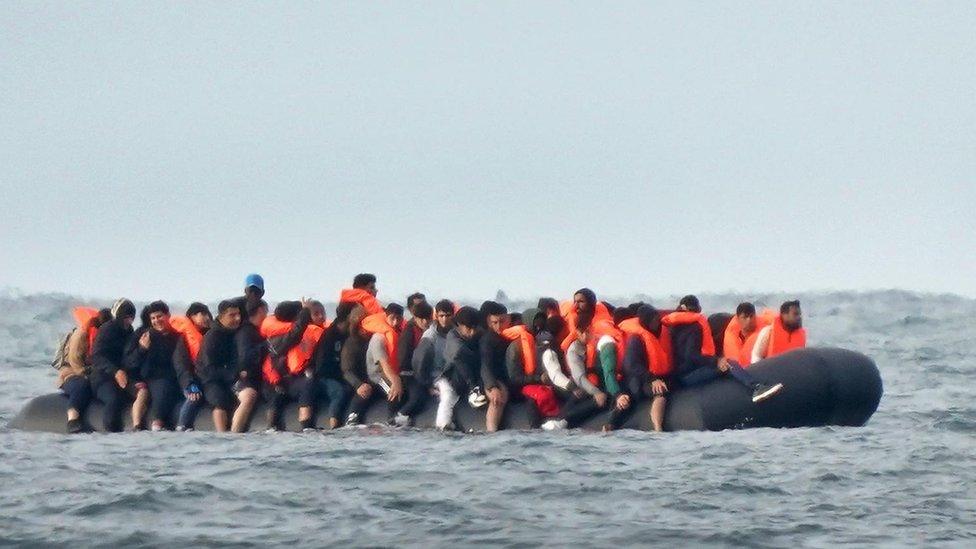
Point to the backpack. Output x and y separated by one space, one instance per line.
61 356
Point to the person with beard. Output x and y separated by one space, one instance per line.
193 326
591 345
111 381
227 383
784 334
326 363
150 351
410 337
73 376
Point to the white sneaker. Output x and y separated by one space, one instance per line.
352 419
157 428
762 392
401 420
555 425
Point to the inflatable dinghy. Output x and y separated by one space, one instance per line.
822 386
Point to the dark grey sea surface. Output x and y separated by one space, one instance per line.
908 478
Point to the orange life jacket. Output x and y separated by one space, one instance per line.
679 318
781 340
298 357
658 357
364 298
83 317
596 331
734 347
377 323
527 343
191 334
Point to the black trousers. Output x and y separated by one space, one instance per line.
79 393
164 394
575 410
113 399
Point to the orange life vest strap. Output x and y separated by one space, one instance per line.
526 343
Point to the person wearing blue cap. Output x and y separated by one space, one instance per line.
253 291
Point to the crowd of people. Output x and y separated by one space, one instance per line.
572 360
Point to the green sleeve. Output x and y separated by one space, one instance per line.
608 364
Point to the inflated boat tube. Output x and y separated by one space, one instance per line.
821 387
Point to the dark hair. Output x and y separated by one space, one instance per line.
254 306
445 306
415 296
423 310
363 279
515 319
621 314
540 322
196 307
584 319
394 309
489 308
104 315
343 309
588 295
745 309
691 303
787 305
547 304
315 303
157 307
646 314
467 317
555 324
228 304
286 311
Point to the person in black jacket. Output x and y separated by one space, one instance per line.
225 379
326 364
186 368
149 352
691 367
494 372
416 393
110 380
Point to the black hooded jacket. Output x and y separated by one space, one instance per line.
156 362
686 343
108 350
217 362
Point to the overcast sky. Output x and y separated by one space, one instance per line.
167 149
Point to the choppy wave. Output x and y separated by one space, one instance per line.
905 479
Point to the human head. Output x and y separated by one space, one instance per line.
229 314
444 313
515 319
648 318
317 311
584 300
365 281
621 314
253 287
745 314
285 311
792 317
548 305
342 311
199 314
495 315
158 313
124 311
467 320
104 315
415 299
423 315
689 303
257 311
394 314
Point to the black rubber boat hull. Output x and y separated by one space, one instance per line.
823 386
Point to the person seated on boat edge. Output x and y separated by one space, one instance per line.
647 365
227 384
741 333
326 364
783 334
593 351
578 404
429 364
382 365
292 334
150 351
77 365
110 380
492 347
693 352
366 364
528 358
193 327
415 393
363 292
461 367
